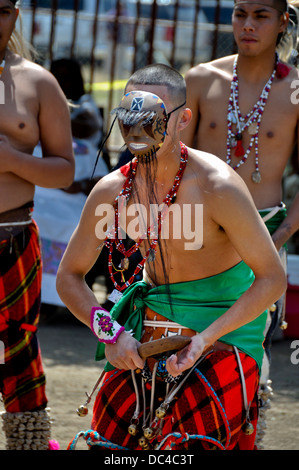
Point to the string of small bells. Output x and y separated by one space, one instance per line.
149 432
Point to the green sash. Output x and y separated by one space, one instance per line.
195 305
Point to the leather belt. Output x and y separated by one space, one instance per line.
155 326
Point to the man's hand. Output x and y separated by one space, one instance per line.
186 358
124 353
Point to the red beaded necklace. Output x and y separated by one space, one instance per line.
151 252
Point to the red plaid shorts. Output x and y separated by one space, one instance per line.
22 379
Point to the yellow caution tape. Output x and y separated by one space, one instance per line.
106 86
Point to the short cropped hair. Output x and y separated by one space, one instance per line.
161 74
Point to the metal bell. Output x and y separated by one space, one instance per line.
248 428
283 325
82 411
143 442
149 433
273 308
133 430
160 412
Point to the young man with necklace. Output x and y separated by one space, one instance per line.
186 290
244 112
32 109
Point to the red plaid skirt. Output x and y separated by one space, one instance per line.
207 412
22 380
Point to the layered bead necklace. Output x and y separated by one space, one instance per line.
112 239
251 122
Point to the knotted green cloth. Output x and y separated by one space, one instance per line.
195 305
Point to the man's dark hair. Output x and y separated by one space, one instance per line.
161 74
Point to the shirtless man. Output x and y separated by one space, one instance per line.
257 26
257 145
182 285
34 109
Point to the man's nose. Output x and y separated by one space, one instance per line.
135 130
249 24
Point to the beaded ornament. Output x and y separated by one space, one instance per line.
251 122
104 327
152 237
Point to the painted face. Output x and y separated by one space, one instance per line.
143 121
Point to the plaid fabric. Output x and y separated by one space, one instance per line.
207 412
22 380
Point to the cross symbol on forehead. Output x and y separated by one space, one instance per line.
137 104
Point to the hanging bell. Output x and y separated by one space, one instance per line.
160 412
149 433
133 430
283 325
143 442
248 428
82 411
273 308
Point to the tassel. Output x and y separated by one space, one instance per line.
239 150
282 70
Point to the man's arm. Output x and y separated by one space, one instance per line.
56 168
82 252
79 257
234 210
290 224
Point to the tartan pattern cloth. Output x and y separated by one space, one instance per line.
207 413
22 380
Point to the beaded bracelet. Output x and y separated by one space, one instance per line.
104 327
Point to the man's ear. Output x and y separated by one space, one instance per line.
184 119
284 22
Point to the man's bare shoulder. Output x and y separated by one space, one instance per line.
208 70
28 67
214 176
35 76
108 187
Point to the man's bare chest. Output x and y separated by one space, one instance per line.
277 121
19 119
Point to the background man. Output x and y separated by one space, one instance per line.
34 110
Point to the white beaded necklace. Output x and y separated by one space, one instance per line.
251 121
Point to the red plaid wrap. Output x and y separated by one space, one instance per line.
22 380
207 413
